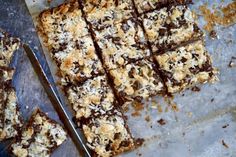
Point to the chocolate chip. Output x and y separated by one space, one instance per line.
161 121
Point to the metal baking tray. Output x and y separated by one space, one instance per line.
198 124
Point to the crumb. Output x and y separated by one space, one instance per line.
139 142
161 121
174 107
225 126
225 16
147 118
212 99
213 34
159 108
137 106
195 89
135 114
190 114
183 94
232 62
224 144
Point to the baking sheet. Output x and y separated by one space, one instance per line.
201 123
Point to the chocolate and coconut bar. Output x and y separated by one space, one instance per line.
62 24
137 81
149 5
186 66
122 43
93 97
168 28
69 43
8 45
108 135
40 137
79 61
103 13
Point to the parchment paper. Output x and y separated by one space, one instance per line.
204 120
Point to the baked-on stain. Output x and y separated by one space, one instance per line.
224 16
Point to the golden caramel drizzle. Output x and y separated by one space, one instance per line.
224 16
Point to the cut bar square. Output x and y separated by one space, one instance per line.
149 5
168 28
62 25
108 135
8 45
103 13
137 81
39 138
93 97
78 61
186 66
70 45
122 43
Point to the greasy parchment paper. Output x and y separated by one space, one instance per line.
204 120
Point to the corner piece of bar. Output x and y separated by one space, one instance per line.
92 98
186 66
8 45
108 135
40 137
103 13
149 5
122 43
168 28
137 81
61 25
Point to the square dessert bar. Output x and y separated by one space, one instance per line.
61 25
149 5
137 81
186 66
10 119
8 45
40 137
91 98
103 13
78 61
108 135
122 43
168 28
69 43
